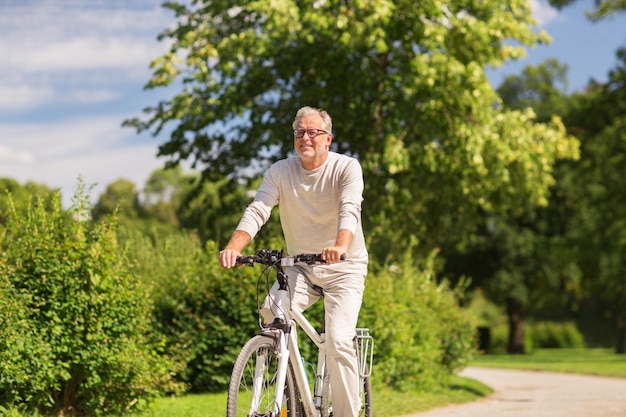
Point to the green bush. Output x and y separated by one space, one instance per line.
421 334
490 317
499 338
549 334
538 335
204 313
74 328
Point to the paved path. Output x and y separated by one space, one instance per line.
540 394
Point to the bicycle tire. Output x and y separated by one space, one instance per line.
240 389
365 395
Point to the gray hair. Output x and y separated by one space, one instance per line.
327 121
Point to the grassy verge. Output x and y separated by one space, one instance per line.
190 405
602 362
390 403
387 403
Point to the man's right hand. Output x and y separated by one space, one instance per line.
228 258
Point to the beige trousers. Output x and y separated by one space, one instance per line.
343 294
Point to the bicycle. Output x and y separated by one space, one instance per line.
269 377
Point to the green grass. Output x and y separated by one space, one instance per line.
190 405
390 403
387 402
603 362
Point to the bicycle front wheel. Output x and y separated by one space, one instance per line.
252 389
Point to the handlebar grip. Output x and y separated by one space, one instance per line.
245 260
314 258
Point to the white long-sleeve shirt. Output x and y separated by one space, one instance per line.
314 205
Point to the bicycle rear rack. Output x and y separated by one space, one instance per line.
364 351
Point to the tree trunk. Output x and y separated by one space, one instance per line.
517 314
621 336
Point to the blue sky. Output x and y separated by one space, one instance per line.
73 70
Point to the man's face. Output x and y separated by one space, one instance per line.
312 150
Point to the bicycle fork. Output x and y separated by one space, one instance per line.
281 328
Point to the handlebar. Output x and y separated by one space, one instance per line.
277 258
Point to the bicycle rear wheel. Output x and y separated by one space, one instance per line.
258 360
365 397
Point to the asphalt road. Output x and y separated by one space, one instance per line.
540 394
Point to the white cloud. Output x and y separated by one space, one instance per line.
47 36
13 155
62 139
80 53
72 71
15 97
57 153
76 43
543 13
94 96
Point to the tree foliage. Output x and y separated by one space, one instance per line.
602 8
119 195
596 184
555 261
540 87
173 200
20 197
404 82
520 257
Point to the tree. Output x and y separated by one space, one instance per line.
598 223
518 257
583 226
602 9
22 196
540 87
121 195
209 208
153 215
523 264
162 192
404 82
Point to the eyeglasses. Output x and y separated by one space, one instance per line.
311 132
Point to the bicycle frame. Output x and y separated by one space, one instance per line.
289 350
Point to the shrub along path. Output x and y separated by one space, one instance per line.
540 394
